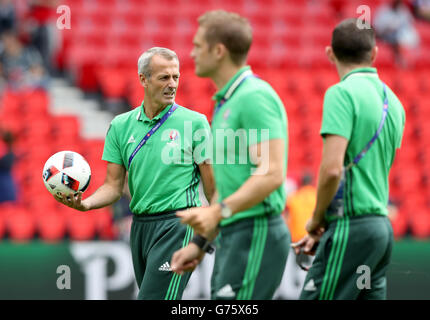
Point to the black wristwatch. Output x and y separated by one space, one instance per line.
203 243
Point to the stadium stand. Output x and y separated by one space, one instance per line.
100 52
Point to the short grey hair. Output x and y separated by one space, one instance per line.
144 62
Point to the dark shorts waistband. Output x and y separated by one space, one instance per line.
360 217
170 214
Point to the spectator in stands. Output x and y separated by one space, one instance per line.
7 16
42 29
393 24
7 158
421 9
20 66
300 206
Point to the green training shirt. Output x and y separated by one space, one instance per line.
253 113
164 173
353 109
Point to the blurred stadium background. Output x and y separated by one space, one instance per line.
90 75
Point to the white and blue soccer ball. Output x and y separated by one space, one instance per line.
66 172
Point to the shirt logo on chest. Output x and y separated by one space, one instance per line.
131 140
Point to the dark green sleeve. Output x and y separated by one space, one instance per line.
338 113
112 150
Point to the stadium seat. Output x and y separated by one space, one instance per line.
51 226
104 224
81 225
11 102
112 82
65 126
36 102
420 223
21 226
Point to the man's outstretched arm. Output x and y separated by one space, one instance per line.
109 192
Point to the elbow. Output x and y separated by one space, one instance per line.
334 173
277 179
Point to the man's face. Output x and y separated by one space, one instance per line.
204 58
161 86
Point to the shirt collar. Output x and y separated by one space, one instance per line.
142 116
367 71
221 93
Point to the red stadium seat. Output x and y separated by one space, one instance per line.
52 226
112 82
66 126
420 223
104 224
12 122
11 103
36 102
21 225
81 225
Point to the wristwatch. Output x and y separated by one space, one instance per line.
203 243
225 211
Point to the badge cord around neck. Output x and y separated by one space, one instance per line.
377 133
336 205
151 132
236 84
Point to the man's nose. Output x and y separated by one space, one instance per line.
172 83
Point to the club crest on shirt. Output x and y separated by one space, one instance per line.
226 114
173 136
225 117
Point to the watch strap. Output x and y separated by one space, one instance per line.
203 243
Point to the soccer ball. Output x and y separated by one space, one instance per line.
66 172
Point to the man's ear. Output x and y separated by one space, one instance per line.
330 54
143 80
373 54
220 51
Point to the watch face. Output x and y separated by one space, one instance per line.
226 212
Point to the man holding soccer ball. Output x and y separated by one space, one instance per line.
152 144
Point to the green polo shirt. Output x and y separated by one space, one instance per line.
164 173
253 113
353 109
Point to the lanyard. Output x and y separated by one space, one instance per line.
232 89
151 132
376 135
